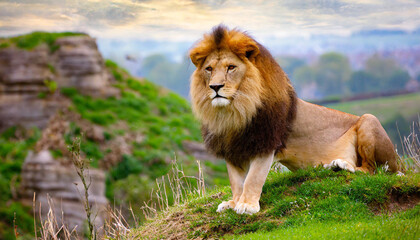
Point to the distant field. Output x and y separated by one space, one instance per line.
384 108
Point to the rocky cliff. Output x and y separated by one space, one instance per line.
29 79
29 97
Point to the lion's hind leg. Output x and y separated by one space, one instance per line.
374 147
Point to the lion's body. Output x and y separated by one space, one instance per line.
250 115
321 135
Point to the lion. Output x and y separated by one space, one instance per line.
251 116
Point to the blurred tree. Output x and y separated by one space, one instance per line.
380 67
289 64
363 82
333 71
329 76
380 75
303 76
397 80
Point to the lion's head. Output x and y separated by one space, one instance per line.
233 79
241 95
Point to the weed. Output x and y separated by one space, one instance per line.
4 45
81 165
69 92
42 95
51 68
51 85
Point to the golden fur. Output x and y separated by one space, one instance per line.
250 115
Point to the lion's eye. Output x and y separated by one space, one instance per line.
209 69
231 67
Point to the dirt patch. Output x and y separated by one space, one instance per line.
397 202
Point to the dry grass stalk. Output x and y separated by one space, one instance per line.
411 148
81 165
34 208
172 188
116 227
178 185
15 226
50 229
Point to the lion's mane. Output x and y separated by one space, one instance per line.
260 117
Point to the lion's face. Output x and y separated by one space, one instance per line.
225 91
223 72
232 80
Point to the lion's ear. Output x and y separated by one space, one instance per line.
250 54
199 53
197 58
251 50
245 46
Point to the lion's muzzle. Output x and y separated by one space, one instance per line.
217 96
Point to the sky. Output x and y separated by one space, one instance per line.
183 20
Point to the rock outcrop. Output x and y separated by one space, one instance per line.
28 79
58 188
79 64
30 97
22 76
198 150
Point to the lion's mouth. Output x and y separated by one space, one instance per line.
219 96
220 101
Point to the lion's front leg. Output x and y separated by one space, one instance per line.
258 170
236 178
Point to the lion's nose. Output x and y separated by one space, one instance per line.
216 87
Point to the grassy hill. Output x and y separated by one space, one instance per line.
307 204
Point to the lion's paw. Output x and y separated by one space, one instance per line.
225 205
247 208
339 164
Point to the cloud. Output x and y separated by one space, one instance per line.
112 13
182 20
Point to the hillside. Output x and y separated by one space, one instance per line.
307 204
56 87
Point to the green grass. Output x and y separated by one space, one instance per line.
13 151
34 39
399 226
313 203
